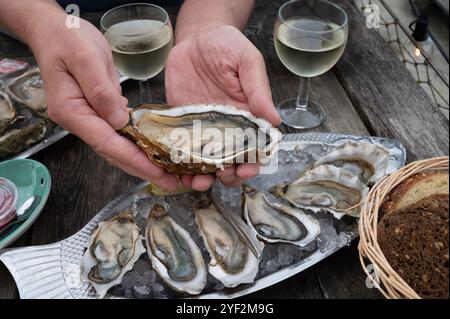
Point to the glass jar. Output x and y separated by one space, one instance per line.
8 200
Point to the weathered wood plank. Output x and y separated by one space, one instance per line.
8 288
340 276
385 95
301 286
10 48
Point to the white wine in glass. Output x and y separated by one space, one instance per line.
309 56
140 57
140 36
310 38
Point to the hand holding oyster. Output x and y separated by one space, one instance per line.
200 139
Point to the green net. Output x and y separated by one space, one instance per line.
417 60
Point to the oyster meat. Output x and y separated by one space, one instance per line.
326 187
202 138
232 261
273 222
366 160
16 140
28 90
112 251
7 112
173 253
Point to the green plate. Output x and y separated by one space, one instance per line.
31 178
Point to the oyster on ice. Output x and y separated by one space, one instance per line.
326 187
366 160
28 89
173 253
7 112
232 261
275 222
112 251
201 138
17 139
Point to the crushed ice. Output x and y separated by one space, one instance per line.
143 282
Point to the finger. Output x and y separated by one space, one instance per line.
227 176
114 78
124 154
100 89
247 171
203 182
186 180
75 115
254 81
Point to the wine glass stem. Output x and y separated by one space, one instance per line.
146 94
303 93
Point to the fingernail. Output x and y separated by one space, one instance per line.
118 119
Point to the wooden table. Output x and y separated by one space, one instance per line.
369 92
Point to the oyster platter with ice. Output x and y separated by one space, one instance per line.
24 125
223 243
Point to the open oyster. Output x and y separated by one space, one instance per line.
232 261
7 112
17 139
28 89
112 251
366 160
202 138
326 187
173 253
274 222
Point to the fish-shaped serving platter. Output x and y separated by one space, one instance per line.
53 271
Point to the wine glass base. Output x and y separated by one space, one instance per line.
300 118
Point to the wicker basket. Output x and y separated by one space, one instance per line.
382 276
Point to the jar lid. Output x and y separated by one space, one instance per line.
8 200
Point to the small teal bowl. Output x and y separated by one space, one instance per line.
31 178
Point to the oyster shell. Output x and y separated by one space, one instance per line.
232 261
326 187
174 255
366 160
112 251
28 90
226 135
16 140
274 222
7 112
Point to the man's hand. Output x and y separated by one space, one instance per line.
83 94
220 65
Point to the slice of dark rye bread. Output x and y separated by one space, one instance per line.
415 188
415 242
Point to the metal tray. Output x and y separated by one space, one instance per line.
58 133
53 271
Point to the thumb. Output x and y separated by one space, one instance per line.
101 90
254 82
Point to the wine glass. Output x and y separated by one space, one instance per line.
310 37
140 36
